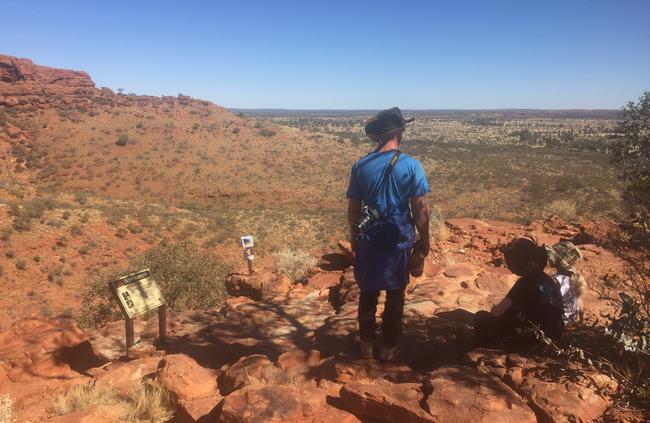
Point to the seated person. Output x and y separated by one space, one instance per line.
534 299
563 256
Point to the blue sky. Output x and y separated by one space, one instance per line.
347 54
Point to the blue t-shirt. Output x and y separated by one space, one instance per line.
407 180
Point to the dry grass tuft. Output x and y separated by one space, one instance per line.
566 209
151 403
6 409
81 397
293 263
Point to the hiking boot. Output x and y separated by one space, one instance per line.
387 353
367 349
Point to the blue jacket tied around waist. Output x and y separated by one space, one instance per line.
384 250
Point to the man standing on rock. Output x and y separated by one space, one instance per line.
385 199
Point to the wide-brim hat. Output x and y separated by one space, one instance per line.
563 255
386 121
524 257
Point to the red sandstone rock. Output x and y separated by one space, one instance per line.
35 348
494 282
324 280
298 362
247 370
430 268
460 271
564 402
386 401
451 394
277 403
263 284
36 356
194 387
125 377
461 394
344 368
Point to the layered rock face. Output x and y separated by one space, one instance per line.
279 351
22 82
28 87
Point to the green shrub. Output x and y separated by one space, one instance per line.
21 264
32 209
189 279
266 132
75 230
122 140
135 229
6 232
631 155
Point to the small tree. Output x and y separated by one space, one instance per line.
631 155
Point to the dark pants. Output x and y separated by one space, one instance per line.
391 319
506 330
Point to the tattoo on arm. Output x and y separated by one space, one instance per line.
420 211
354 210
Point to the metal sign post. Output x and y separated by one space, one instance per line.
137 294
247 245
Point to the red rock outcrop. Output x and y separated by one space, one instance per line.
28 86
23 82
274 404
290 351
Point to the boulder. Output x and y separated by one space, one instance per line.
263 284
281 403
298 362
462 394
386 401
450 394
37 348
40 358
564 402
554 396
194 387
125 377
246 371
324 280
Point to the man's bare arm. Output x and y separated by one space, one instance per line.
354 210
502 307
420 211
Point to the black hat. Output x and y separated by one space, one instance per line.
524 257
390 120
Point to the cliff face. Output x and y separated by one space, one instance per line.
22 82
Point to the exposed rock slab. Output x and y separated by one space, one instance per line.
281 403
450 394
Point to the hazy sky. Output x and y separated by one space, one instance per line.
347 54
